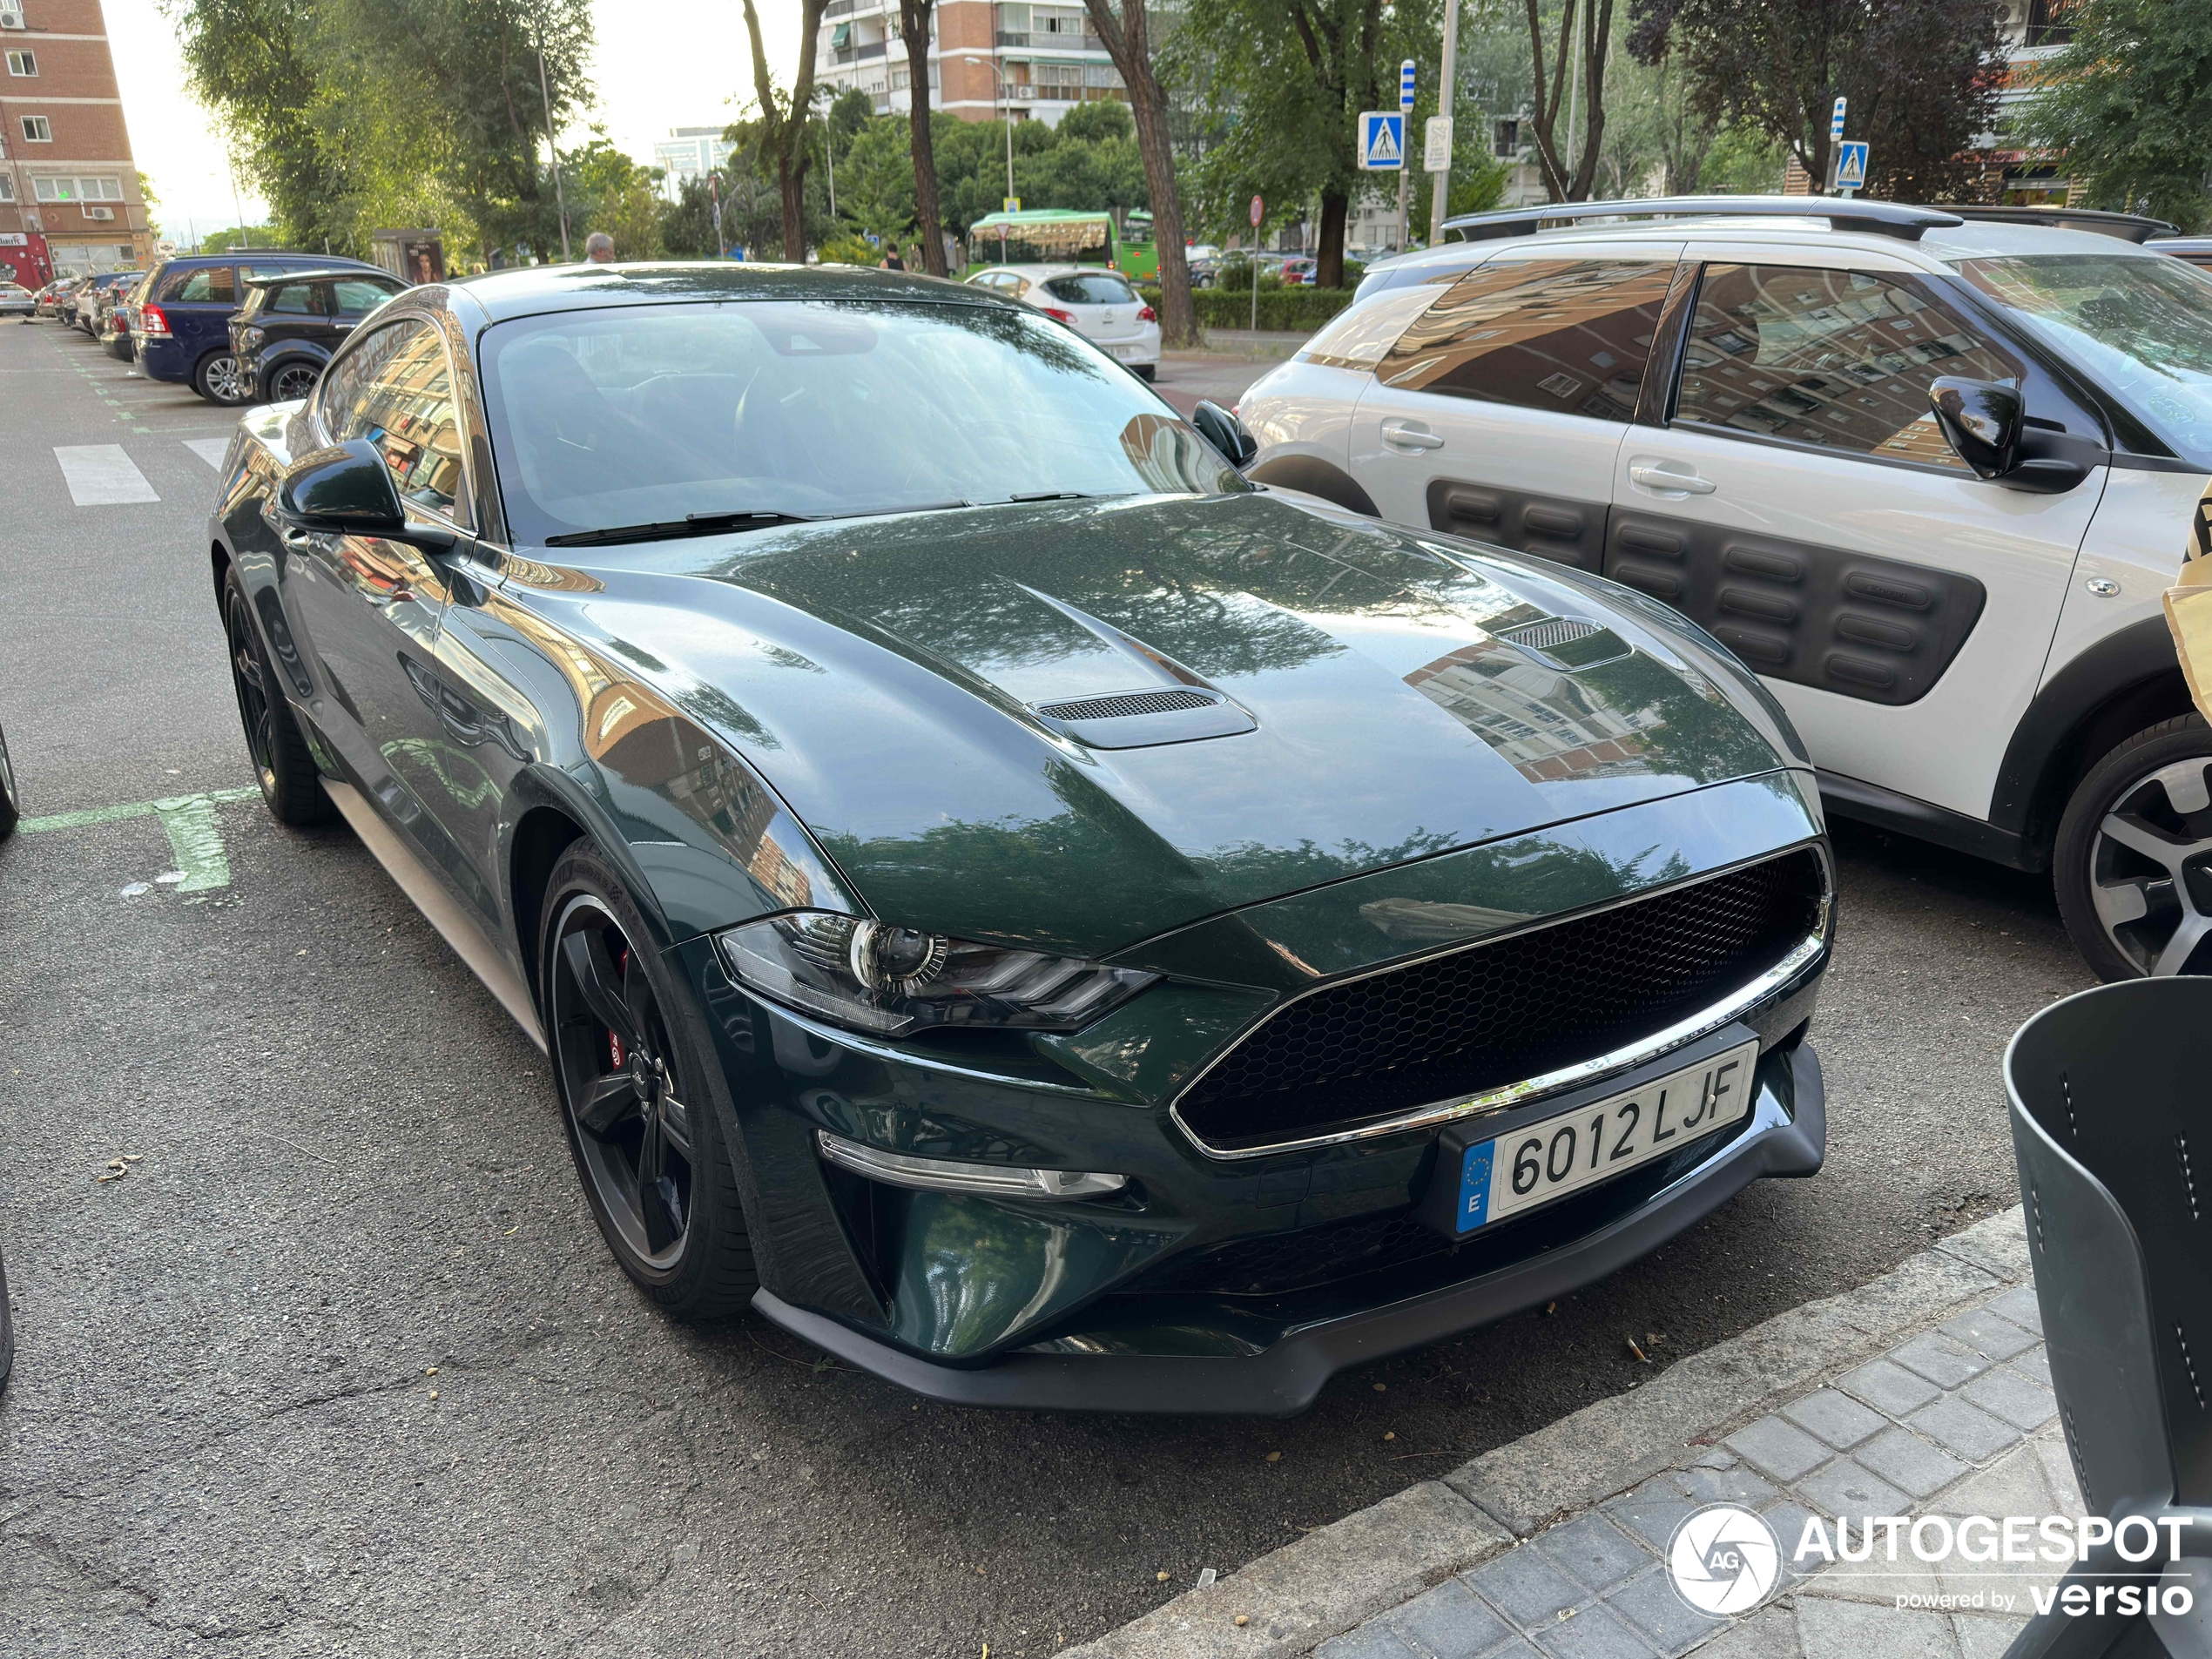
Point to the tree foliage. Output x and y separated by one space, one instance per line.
1298 72
1921 76
356 115
2129 104
782 131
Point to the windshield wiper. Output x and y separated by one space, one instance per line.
690 524
1051 494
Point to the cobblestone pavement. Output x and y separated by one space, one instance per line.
1925 1394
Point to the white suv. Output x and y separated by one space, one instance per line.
1926 475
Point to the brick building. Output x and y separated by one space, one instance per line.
69 188
988 57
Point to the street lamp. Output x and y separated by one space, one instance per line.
998 84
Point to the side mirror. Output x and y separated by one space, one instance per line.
1982 420
347 490
1226 433
1986 422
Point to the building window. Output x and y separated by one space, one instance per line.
35 129
77 190
7 188
23 63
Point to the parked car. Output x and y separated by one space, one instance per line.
50 296
1927 476
1298 272
183 321
91 314
1004 899
65 309
2197 250
289 326
1101 305
112 316
16 300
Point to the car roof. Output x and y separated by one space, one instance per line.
320 273
533 289
1939 245
235 255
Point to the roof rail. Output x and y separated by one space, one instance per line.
2131 227
1885 218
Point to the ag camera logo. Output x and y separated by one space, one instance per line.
1724 1560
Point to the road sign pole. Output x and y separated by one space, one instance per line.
1260 213
1836 139
1406 71
1447 87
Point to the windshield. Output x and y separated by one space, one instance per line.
2142 325
650 414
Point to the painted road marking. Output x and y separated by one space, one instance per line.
209 449
195 840
100 475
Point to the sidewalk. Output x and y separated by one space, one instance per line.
1923 1392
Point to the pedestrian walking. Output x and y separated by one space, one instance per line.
891 262
599 248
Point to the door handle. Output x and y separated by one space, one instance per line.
1404 434
1686 484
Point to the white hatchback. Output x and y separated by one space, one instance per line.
1101 305
1926 472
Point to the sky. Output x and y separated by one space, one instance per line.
659 63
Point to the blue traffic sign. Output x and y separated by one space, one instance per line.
1851 165
1382 140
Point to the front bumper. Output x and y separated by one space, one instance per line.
1786 1135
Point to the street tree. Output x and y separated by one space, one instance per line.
2129 102
1128 37
785 121
914 20
1582 41
1920 75
1298 72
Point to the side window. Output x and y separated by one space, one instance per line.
357 297
342 382
403 403
1842 359
1568 335
214 284
295 299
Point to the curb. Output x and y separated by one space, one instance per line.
1299 1595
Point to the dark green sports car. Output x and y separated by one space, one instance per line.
1040 917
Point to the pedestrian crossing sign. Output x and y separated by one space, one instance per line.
1382 141
1851 165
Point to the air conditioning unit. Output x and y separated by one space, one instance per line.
102 215
11 15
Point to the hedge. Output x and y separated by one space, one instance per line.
1283 310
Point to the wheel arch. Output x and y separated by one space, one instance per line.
2125 682
542 835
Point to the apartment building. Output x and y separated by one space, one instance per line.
989 58
69 188
691 153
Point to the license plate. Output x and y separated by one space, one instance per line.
1557 1156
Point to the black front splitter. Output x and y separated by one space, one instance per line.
1285 1380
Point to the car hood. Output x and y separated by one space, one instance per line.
945 700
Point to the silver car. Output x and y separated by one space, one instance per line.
15 300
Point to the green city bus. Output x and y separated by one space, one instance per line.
1058 236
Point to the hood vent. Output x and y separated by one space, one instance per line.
1567 643
1122 703
1141 719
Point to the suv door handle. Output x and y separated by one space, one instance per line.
1686 484
1409 435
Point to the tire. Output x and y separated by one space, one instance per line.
220 381
2133 861
10 803
290 381
1146 371
636 1099
290 787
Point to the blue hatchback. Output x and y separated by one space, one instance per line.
183 315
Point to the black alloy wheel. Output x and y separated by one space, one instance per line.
641 1123
282 765
221 379
292 381
2133 861
10 803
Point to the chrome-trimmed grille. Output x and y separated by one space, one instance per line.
1794 959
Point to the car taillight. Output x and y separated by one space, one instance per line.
152 321
1057 314
1145 313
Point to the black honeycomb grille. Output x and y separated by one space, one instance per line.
1125 703
1499 1012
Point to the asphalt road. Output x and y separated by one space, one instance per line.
340 1365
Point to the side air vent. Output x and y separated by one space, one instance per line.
1124 702
1569 644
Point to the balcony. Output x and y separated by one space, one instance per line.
866 52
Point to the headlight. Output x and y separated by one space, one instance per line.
890 981
249 336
